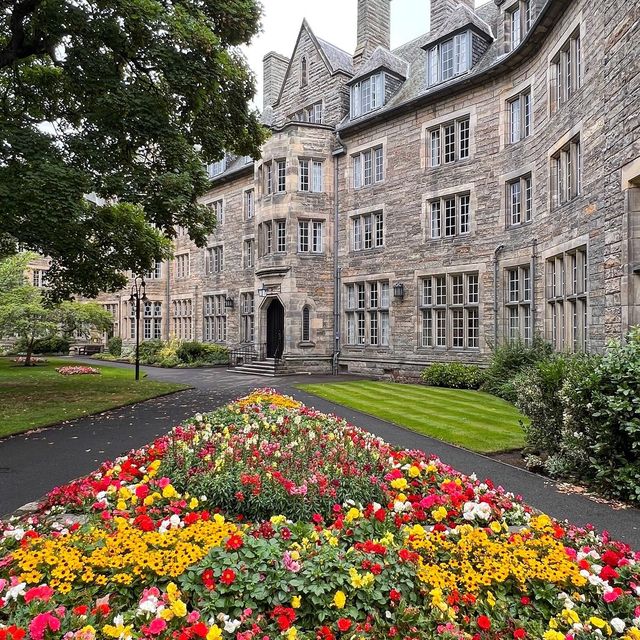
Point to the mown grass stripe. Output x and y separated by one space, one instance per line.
471 419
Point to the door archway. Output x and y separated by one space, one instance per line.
275 329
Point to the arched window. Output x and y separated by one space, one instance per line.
303 72
306 325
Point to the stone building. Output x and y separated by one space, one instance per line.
480 183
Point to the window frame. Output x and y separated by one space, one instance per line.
373 88
440 207
461 145
524 202
523 101
367 167
460 64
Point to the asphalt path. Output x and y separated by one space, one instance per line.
33 463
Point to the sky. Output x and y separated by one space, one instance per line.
331 20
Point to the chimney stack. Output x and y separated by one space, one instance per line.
274 69
374 28
441 9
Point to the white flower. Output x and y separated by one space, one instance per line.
596 568
118 620
388 615
16 534
617 624
15 591
230 626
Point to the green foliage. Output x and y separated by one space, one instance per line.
537 397
149 351
191 352
454 375
114 346
510 359
26 313
142 94
602 407
48 345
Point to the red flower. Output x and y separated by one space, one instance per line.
519 634
484 623
324 633
525 600
81 610
208 580
611 558
234 542
283 622
228 577
394 595
344 624
607 573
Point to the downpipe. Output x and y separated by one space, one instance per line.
340 150
496 273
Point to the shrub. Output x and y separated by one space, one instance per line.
200 352
454 375
114 346
50 344
510 359
602 419
149 351
537 391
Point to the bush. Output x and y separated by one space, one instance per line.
454 375
510 359
114 346
149 351
50 344
199 352
537 391
602 419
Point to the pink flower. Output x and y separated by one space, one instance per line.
289 563
163 482
41 623
157 626
42 592
613 595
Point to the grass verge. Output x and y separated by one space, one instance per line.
471 419
32 397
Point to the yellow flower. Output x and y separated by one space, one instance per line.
295 555
291 634
167 614
215 633
400 484
352 515
295 602
414 471
496 527
179 608
597 622
439 514
491 599
339 599
193 503
169 492
553 635
570 616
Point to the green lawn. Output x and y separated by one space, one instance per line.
471 419
33 397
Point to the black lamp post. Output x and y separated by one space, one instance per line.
138 295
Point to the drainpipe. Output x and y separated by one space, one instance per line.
336 264
496 265
534 261
167 324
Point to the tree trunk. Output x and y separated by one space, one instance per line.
27 358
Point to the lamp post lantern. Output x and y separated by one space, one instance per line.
138 295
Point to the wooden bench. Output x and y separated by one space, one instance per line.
88 349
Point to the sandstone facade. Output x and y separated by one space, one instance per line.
436 219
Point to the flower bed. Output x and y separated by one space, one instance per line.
77 370
32 363
268 520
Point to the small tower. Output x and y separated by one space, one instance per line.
440 10
374 28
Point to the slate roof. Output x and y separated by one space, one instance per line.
383 58
236 166
462 16
339 59
484 18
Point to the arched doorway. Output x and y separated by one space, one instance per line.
275 329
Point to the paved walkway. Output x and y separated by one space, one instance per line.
31 464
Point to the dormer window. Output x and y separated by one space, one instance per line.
367 95
216 168
518 22
303 72
449 58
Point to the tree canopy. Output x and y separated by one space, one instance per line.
25 313
124 99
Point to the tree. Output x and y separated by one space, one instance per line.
124 99
27 314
